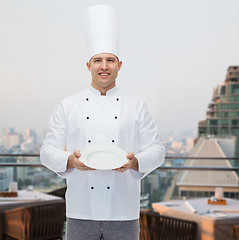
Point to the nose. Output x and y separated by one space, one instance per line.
104 65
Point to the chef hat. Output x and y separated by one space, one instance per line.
101 28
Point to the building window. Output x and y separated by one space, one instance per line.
223 121
213 122
191 194
183 194
223 90
200 194
235 122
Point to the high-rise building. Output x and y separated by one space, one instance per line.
30 133
223 111
12 140
10 130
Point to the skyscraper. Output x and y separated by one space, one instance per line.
223 111
30 133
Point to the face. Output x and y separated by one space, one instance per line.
104 69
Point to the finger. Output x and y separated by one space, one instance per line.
78 163
89 168
124 169
130 155
127 164
82 166
79 166
77 153
118 169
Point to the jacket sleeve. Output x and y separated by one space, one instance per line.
151 152
52 154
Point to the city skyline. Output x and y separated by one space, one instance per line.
174 54
171 133
12 141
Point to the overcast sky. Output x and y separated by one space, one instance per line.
174 53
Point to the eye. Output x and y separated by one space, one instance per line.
97 60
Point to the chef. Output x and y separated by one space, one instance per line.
102 204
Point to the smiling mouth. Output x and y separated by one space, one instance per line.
104 74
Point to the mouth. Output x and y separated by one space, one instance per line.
104 74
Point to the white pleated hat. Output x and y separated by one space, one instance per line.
101 27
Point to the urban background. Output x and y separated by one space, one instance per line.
217 137
181 57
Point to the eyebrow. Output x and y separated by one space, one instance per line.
106 58
99 58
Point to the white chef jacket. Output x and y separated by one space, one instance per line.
89 119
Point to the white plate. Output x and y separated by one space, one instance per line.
103 157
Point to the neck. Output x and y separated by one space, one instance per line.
102 90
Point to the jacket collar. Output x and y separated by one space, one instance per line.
110 92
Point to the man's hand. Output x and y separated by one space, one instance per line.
74 162
131 164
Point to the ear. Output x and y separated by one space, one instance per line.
88 65
119 65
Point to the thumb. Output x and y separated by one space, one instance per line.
77 153
130 155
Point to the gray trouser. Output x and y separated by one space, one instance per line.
77 229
